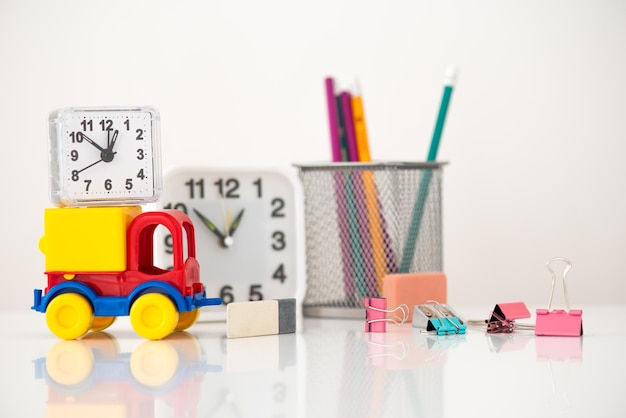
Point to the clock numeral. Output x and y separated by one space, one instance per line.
129 184
168 244
87 124
226 294
141 175
127 124
228 188
76 137
279 274
259 190
108 184
74 175
255 292
139 133
279 241
140 154
106 124
87 185
278 204
193 185
280 392
74 154
178 206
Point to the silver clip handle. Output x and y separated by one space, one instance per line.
567 269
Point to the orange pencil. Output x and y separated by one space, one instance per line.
371 196
360 130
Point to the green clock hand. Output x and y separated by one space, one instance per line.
235 223
212 228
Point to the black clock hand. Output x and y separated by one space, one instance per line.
211 227
90 165
91 141
108 154
112 144
235 223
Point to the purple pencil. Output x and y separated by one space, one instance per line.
333 122
340 191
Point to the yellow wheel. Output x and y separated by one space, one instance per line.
153 316
154 363
69 362
69 316
102 343
101 323
187 319
187 346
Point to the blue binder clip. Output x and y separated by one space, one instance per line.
437 318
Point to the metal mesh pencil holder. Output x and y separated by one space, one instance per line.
362 222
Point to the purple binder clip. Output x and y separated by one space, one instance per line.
376 314
502 319
558 322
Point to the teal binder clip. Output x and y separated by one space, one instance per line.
438 319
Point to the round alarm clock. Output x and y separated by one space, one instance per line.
248 226
104 156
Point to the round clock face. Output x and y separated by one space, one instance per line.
246 230
104 156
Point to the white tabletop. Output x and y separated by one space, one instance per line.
329 368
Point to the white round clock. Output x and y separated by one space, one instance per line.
104 156
249 230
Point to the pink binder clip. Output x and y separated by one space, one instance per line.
559 322
502 319
376 314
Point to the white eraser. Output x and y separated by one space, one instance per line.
263 317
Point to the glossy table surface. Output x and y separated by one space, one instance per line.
328 368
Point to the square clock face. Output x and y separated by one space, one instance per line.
104 156
248 231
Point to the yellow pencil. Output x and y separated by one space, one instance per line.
371 196
360 130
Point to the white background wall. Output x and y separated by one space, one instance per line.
536 133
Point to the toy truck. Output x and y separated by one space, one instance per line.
100 265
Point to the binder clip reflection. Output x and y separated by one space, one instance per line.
437 319
504 315
561 354
384 351
559 322
376 317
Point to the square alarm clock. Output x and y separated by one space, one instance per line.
249 230
104 156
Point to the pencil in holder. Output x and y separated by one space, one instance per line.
362 221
